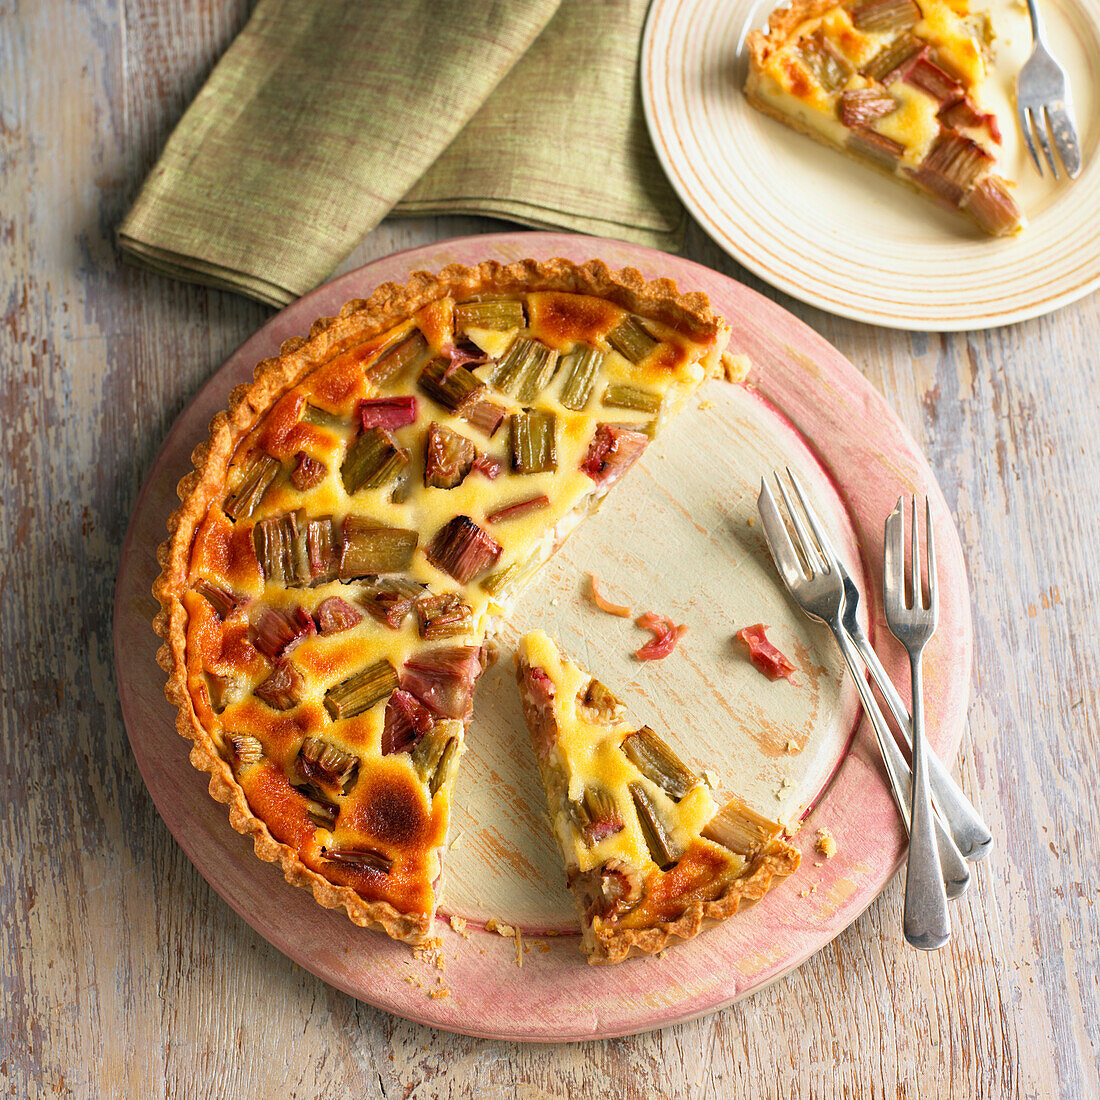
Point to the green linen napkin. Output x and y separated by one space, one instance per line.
322 115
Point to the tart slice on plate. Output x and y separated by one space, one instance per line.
895 83
359 520
649 856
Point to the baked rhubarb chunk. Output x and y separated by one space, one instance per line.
650 858
896 83
359 520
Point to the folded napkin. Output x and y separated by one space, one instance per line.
323 117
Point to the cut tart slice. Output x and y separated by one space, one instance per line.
896 83
650 858
359 520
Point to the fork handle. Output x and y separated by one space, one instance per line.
927 922
1038 31
956 875
969 832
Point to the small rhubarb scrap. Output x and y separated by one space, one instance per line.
665 636
618 609
764 655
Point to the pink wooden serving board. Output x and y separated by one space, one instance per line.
837 430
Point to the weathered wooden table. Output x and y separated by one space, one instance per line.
123 974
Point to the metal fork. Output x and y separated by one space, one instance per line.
927 922
817 588
1043 87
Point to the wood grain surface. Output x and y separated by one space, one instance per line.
123 974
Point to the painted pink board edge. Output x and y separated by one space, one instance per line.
832 405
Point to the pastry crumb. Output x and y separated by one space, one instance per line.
792 747
459 925
704 405
734 367
519 948
439 994
826 843
710 779
501 929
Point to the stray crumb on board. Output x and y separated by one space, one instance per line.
439 994
459 925
734 367
826 843
710 779
501 929
792 746
519 948
704 405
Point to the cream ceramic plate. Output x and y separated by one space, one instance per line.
678 536
839 235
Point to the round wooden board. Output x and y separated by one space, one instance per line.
679 536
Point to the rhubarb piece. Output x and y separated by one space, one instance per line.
579 370
534 441
618 889
335 615
597 703
619 610
320 811
388 413
526 369
390 599
360 692
496 582
875 146
395 362
763 654
596 816
322 418
964 115
358 858
620 396
613 450
407 719
951 166
929 77
448 457
861 106
992 207
631 340
222 600
323 763
890 63
463 550
308 472
520 508
435 755
443 679
282 690
372 461
657 762
499 314
279 551
447 385
488 466
256 479
246 749
662 848
279 629
322 550
484 414
665 636
741 829
821 58
885 15
442 616
369 547
224 691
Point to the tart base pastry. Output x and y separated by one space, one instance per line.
897 84
650 858
359 520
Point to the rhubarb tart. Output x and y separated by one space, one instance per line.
355 527
649 856
896 83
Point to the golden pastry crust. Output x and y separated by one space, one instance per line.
357 322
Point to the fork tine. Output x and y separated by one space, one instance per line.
931 555
1041 134
778 537
814 558
828 552
1025 129
914 555
1065 138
